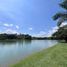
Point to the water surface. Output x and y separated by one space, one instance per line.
13 51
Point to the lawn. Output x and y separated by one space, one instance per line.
55 56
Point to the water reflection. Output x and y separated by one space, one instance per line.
8 42
14 42
12 51
27 41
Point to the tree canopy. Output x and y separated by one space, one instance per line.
61 17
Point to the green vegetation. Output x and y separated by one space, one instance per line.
6 37
61 17
61 33
14 36
55 56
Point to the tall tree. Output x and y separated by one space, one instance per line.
61 16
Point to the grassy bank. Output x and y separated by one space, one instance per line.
55 56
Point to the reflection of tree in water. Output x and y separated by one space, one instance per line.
7 42
15 42
12 39
27 42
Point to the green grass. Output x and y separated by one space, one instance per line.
55 56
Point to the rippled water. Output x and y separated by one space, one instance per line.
13 51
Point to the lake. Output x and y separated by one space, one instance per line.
13 51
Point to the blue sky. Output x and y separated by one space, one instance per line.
28 16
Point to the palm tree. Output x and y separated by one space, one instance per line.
61 16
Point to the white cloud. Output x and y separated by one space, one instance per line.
7 25
8 28
46 34
40 34
30 28
10 31
65 23
11 25
53 30
17 27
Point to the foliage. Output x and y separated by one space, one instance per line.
61 33
61 17
14 36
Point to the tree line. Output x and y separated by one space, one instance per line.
5 36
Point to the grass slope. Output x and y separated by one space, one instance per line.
55 56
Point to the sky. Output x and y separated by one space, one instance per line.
32 17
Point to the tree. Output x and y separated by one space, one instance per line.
61 17
61 33
28 37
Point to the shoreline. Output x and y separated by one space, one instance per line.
51 57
